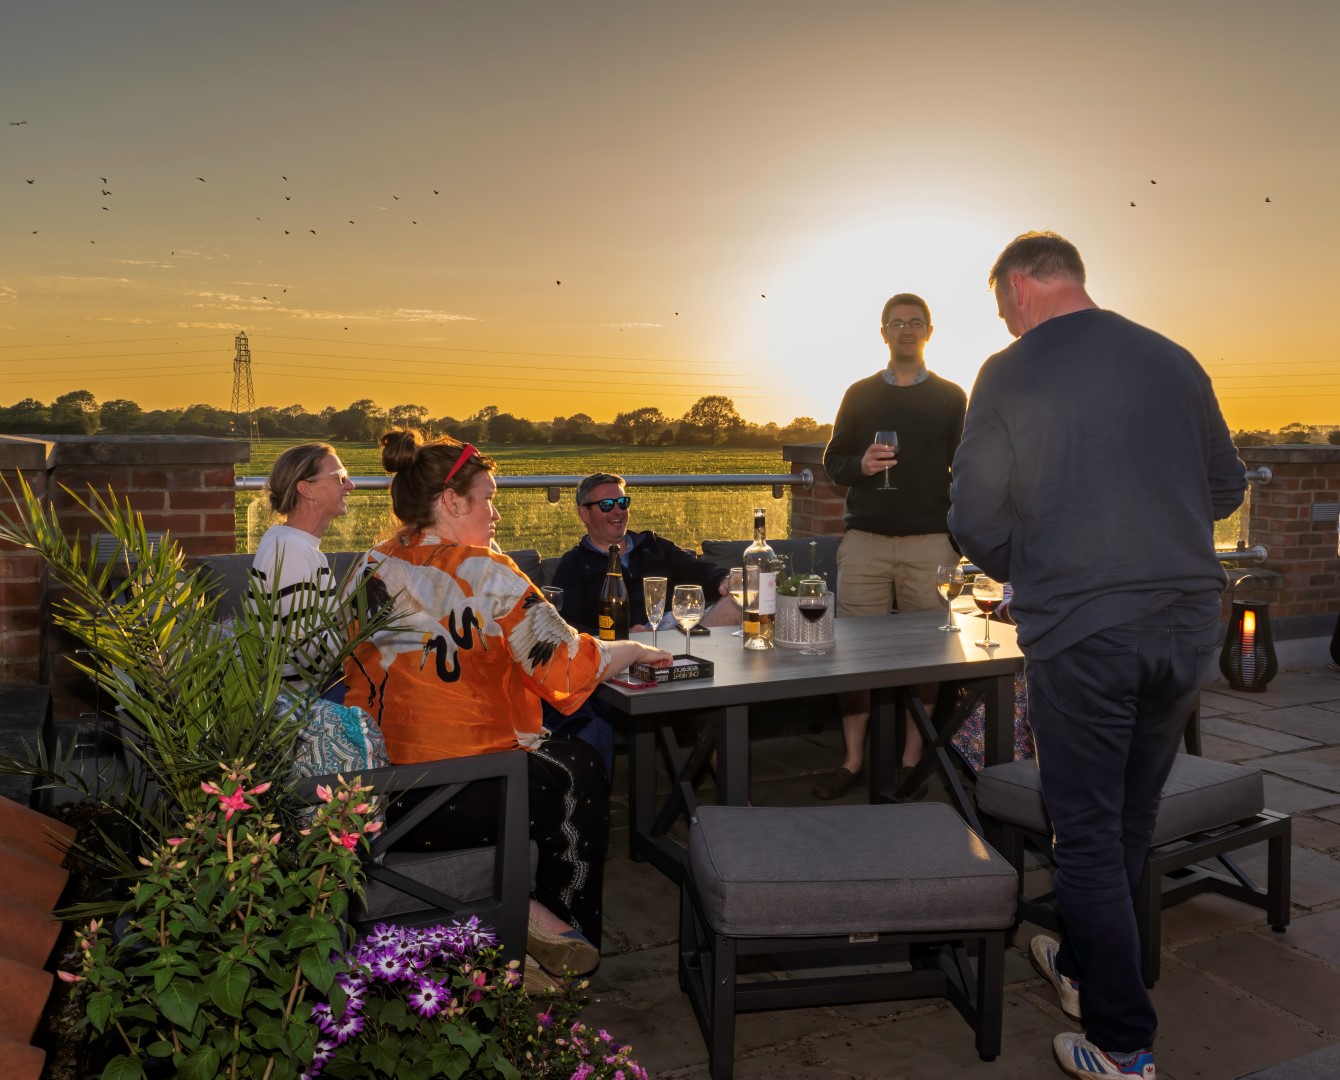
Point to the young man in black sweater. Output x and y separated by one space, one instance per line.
895 538
1094 463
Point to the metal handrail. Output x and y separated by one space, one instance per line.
555 484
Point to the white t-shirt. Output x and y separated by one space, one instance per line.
304 581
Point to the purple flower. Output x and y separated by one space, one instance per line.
355 988
382 935
429 998
583 1071
387 967
322 1018
546 1020
347 1028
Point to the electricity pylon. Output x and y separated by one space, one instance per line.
244 394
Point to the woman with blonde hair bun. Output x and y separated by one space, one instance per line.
474 648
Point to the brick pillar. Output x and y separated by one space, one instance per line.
182 485
22 574
1294 517
817 512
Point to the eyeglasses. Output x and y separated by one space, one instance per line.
341 473
606 505
910 324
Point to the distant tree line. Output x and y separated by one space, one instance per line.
710 421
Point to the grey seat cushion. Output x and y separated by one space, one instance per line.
817 870
465 875
1199 795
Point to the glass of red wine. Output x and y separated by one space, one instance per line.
987 594
812 599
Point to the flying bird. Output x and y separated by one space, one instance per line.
1132 204
764 295
30 181
288 198
351 221
284 178
105 191
104 208
413 222
436 192
285 232
201 179
17 123
1153 181
312 231
396 197
558 283
1267 197
103 179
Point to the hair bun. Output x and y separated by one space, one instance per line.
400 450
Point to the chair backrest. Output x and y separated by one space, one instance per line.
728 553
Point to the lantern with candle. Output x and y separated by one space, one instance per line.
1248 658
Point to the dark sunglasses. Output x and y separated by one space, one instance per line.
606 505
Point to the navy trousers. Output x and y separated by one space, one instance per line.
1108 715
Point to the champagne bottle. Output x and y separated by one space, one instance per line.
760 587
613 611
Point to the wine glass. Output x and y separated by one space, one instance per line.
949 584
987 594
688 610
889 439
812 600
653 597
735 585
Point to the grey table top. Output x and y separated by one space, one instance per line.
871 652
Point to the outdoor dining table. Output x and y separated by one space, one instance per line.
889 655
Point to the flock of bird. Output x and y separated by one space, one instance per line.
1155 182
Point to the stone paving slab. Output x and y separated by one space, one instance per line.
1292 687
1290 798
1219 700
1306 721
1205 916
1264 965
1318 768
1319 935
1209 1031
1328 814
1316 833
1277 741
1315 878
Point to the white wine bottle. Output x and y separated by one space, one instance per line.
613 611
760 587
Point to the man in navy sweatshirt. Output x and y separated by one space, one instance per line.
1094 463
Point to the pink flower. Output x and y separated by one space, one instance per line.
175 841
372 826
348 839
234 803
65 976
323 793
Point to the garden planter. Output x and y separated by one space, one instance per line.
30 880
26 992
33 833
19 1061
27 933
795 632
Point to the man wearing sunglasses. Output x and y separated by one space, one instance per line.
603 506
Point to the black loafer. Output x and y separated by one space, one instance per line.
836 784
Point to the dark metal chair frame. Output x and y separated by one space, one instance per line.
708 970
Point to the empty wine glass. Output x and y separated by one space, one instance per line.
653 597
688 610
889 439
949 584
812 600
987 594
735 585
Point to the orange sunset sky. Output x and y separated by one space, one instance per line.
727 192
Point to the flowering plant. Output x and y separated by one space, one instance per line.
416 1003
227 930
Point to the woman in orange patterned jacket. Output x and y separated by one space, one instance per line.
474 648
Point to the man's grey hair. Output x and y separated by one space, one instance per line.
1043 256
594 481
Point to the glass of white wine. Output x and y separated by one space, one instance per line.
949 584
653 596
688 610
888 439
812 600
735 585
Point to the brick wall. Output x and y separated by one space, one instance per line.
180 485
1302 550
817 512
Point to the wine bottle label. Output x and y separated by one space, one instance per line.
767 594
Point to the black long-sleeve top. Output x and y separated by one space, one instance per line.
928 417
582 570
1094 463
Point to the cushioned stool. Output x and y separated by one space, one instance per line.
815 887
1207 809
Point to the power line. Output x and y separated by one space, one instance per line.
117 341
101 356
498 352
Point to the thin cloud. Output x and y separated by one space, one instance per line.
634 325
132 322
421 315
151 263
207 326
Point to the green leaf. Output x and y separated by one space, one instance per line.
382 1055
99 1009
466 1037
202 1065
317 968
160 1049
228 987
179 1001
122 1067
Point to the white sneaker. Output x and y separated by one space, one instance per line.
1079 1057
1043 949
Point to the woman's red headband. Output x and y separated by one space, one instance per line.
467 452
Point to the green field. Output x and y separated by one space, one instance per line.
686 515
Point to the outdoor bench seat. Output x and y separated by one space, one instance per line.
854 903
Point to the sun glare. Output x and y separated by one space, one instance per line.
823 332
